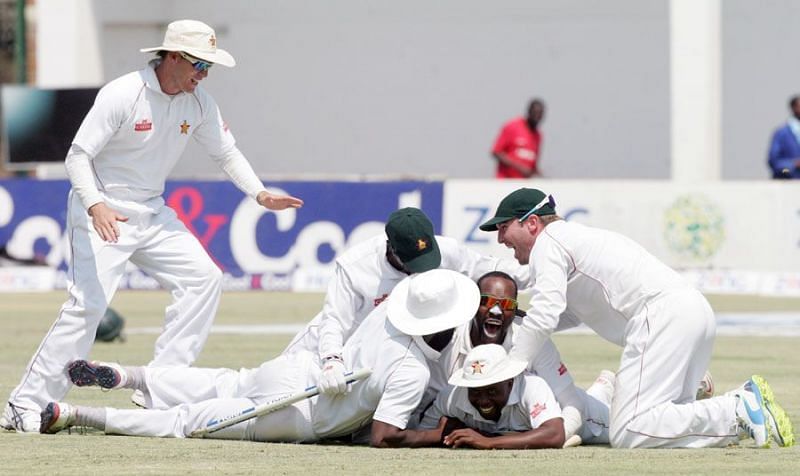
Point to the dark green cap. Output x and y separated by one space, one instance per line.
521 203
410 233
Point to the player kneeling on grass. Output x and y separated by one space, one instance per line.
500 405
416 320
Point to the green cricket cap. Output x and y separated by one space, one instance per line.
410 233
521 203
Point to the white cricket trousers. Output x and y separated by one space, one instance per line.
156 241
186 399
667 350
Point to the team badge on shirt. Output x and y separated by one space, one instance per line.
143 126
563 369
421 244
185 127
537 409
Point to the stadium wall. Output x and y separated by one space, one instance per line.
726 237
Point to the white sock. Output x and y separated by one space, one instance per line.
90 416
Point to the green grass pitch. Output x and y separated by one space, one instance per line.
25 318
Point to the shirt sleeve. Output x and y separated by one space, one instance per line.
780 158
501 143
550 265
338 313
403 392
236 166
80 174
539 401
106 116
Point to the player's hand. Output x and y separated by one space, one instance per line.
104 221
332 381
277 202
467 437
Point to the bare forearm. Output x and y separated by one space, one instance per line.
388 436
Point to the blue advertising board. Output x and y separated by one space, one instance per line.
256 248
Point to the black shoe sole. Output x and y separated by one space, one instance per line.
84 374
49 417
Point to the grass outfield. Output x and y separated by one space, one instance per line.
24 319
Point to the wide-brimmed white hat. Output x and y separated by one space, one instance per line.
196 39
485 365
433 301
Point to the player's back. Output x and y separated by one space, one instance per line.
390 394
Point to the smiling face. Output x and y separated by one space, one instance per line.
177 74
496 311
490 400
519 236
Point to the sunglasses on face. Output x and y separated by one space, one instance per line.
199 65
548 200
506 304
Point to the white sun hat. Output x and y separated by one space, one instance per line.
196 39
485 365
433 301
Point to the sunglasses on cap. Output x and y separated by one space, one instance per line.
548 200
198 64
506 304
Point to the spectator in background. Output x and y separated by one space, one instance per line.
517 148
784 151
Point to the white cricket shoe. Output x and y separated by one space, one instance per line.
751 414
138 399
56 417
19 419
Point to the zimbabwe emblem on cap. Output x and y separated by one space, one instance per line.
212 41
421 244
477 367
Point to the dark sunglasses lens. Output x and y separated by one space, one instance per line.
505 304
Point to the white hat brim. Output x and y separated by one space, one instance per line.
219 56
465 303
510 368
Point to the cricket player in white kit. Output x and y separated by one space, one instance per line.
491 393
119 160
585 412
366 274
630 298
392 343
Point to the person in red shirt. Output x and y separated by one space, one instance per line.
517 148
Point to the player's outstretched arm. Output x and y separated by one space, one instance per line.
384 435
549 435
273 201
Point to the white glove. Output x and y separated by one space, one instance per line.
332 381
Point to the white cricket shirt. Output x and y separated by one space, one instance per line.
596 276
135 133
390 394
530 404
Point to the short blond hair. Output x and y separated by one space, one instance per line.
548 219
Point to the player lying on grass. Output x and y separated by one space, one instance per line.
666 328
366 274
496 321
497 405
418 319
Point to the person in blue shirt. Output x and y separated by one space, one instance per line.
784 151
